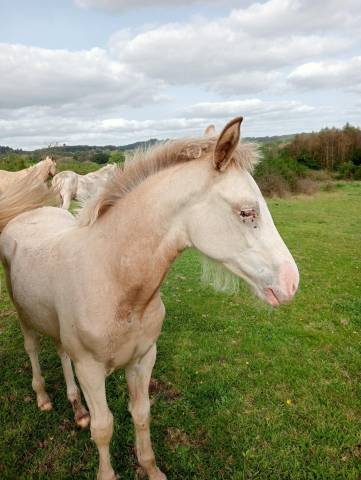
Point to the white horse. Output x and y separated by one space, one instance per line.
44 169
72 186
28 193
92 283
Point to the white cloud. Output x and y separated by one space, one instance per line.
236 52
140 83
246 83
38 76
346 73
280 17
36 126
249 108
124 5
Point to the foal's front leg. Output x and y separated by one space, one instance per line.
138 376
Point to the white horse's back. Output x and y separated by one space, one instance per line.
27 248
72 186
66 183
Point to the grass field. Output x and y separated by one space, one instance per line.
241 391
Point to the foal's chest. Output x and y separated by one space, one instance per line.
132 334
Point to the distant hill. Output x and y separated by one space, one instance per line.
71 150
274 138
144 144
9 150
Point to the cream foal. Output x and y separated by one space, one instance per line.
72 186
44 169
93 283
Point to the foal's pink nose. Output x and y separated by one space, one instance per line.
289 279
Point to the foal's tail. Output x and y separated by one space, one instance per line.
27 194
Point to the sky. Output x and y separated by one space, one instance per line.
114 72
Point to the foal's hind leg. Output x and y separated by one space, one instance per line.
31 344
138 377
91 376
81 414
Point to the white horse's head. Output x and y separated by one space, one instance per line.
231 224
51 165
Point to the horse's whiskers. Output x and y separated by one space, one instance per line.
218 277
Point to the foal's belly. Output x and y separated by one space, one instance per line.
35 309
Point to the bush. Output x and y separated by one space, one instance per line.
82 168
307 186
349 171
100 157
319 175
14 162
278 174
117 157
273 185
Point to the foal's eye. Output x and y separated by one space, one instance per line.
248 214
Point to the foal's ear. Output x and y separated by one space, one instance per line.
210 131
227 143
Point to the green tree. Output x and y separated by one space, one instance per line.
100 157
117 157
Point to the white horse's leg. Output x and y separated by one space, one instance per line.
80 412
31 344
66 196
138 377
91 376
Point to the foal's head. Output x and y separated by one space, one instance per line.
231 224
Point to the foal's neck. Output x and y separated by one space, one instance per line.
146 230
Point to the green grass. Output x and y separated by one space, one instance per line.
244 392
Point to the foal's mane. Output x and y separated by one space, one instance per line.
145 163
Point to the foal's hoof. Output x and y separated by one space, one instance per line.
44 402
83 421
158 476
108 476
46 406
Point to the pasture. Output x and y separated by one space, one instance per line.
240 391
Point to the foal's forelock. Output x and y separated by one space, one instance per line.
145 163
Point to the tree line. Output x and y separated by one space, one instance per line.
333 149
293 164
